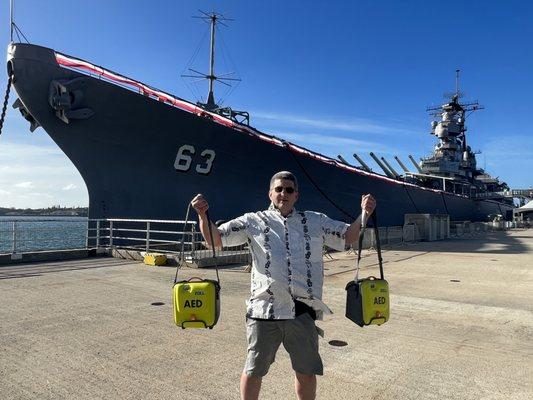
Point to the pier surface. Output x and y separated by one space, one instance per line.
461 327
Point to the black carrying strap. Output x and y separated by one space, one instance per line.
182 251
212 243
378 246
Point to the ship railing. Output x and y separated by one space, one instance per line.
132 238
389 235
415 232
34 234
467 228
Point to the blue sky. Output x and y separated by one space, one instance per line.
337 77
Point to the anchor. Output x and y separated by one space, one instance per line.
66 96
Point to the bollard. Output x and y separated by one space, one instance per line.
148 236
98 234
110 233
14 249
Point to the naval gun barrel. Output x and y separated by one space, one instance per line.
342 159
363 164
414 163
396 174
378 162
400 163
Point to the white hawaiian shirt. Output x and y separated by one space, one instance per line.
287 260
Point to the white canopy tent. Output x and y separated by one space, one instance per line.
525 207
525 212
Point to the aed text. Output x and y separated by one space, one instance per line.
379 300
193 303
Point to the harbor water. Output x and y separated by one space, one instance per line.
33 233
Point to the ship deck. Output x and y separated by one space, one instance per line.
461 327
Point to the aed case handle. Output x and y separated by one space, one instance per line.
197 279
195 320
375 318
378 245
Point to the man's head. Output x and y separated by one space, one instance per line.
283 191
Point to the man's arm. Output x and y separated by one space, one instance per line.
201 206
352 233
368 203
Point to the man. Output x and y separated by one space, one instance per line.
286 282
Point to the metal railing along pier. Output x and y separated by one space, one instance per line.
161 236
25 234
34 234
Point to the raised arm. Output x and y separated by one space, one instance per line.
201 206
368 203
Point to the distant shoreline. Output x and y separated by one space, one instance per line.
56 211
43 215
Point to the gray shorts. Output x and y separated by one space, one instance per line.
299 337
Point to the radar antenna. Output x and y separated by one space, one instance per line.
457 94
212 19
454 104
457 71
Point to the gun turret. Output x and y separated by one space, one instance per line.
400 163
415 164
387 172
396 174
363 164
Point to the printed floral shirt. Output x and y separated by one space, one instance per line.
286 258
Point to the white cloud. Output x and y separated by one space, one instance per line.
69 187
345 124
37 194
330 142
33 170
509 157
24 185
509 147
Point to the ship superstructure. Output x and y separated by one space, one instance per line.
452 167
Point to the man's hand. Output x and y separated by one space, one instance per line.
200 204
368 204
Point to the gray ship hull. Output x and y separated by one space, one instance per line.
127 151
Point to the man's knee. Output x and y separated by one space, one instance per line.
250 378
304 378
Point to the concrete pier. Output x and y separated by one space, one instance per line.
461 327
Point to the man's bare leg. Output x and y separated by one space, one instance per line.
250 387
305 386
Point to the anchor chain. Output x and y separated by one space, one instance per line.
4 107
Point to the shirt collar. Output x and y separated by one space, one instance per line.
272 207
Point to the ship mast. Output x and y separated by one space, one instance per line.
211 76
11 21
213 19
457 82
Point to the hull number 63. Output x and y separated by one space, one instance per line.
184 159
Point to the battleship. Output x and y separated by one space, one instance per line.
144 153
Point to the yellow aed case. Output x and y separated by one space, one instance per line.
367 299
196 303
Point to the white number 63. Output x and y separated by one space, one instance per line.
184 159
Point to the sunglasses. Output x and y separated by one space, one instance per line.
288 189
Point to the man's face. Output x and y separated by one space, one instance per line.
283 195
